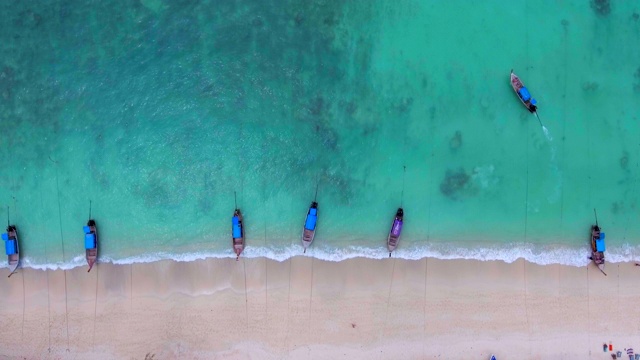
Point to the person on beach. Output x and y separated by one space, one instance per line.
630 353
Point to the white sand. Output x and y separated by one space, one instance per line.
304 308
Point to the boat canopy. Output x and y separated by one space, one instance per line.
89 241
397 227
600 243
237 232
312 218
10 246
524 94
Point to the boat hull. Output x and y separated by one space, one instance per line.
307 237
597 256
516 84
396 229
92 254
238 242
13 260
308 234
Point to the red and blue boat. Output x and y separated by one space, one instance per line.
11 248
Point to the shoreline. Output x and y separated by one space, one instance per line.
357 308
553 254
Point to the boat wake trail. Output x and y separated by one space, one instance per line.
546 133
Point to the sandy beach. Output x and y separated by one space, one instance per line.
305 308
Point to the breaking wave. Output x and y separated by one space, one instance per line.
542 255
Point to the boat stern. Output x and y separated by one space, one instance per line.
238 248
14 262
91 255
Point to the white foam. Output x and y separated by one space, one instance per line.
546 133
542 255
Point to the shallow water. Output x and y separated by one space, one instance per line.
158 111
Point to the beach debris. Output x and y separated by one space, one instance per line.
601 7
353 325
149 356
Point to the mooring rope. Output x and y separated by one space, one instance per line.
95 309
246 298
66 303
46 258
386 315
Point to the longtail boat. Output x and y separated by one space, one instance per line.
91 242
523 93
237 233
309 229
11 248
396 229
597 247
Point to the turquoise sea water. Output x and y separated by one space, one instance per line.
157 111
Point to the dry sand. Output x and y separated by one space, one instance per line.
311 309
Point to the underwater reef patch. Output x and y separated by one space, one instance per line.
624 160
454 183
456 141
601 7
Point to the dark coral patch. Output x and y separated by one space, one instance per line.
456 141
454 182
590 86
624 160
601 7
405 105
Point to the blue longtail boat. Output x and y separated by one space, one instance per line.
523 93
309 228
597 247
12 250
396 230
91 242
237 233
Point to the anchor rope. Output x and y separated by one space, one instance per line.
66 302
